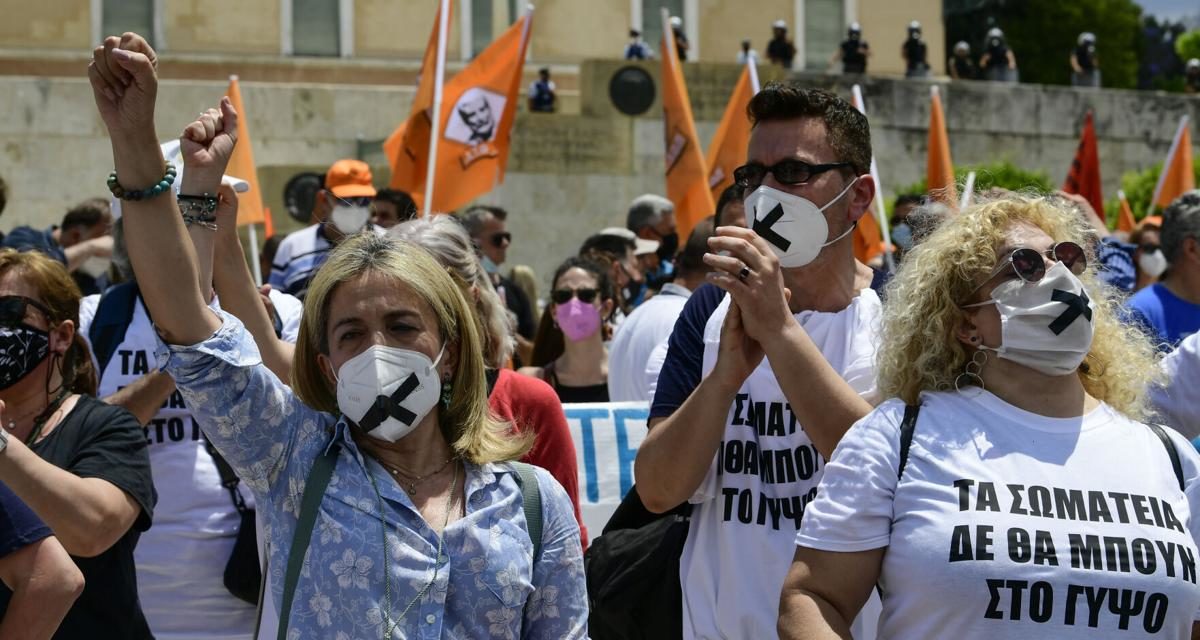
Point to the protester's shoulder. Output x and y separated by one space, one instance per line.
97 418
703 302
1148 302
24 236
528 389
87 311
300 237
286 304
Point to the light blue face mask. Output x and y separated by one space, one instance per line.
489 265
902 236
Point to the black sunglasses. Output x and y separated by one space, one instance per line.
1030 267
13 308
1149 248
563 296
498 239
789 172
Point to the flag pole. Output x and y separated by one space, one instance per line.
254 259
877 204
752 67
968 191
435 131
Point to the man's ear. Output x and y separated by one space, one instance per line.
861 195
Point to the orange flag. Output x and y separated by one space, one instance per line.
407 149
727 151
869 239
241 163
687 177
478 109
1178 173
1084 176
1125 219
939 170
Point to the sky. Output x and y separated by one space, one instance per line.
1171 9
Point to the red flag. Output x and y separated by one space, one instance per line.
1084 177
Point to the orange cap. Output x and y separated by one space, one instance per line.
1153 221
349 179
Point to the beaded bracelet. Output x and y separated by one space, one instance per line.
121 193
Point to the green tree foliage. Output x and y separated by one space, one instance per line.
1042 36
1188 45
1002 174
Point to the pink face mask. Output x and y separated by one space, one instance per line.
577 319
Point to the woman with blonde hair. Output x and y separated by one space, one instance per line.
1010 489
391 510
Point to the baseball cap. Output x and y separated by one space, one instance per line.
349 179
641 247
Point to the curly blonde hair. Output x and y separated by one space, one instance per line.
920 351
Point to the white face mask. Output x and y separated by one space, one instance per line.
793 226
349 220
388 391
1153 264
1047 325
95 266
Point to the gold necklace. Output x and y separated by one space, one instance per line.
412 479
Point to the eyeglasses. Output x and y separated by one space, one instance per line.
1030 267
499 239
563 296
789 172
1149 248
357 201
13 308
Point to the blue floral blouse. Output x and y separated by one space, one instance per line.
488 587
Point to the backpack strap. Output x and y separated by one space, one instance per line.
229 478
310 505
1176 465
906 435
531 502
114 312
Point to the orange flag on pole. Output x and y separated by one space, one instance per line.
407 149
1125 220
687 177
872 236
1178 173
1084 177
939 169
241 163
476 123
727 151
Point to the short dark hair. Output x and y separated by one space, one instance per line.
732 193
87 214
691 259
406 207
614 246
849 131
1180 220
473 218
3 194
548 341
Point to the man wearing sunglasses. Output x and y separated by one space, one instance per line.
741 440
1170 309
487 226
342 208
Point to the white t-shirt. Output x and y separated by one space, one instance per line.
1010 525
635 339
181 559
748 508
1178 403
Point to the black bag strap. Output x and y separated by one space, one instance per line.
1173 453
310 505
906 435
229 478
114 312
531 502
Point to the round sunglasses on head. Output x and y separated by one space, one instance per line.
13 309
563 296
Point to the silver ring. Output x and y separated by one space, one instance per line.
744 273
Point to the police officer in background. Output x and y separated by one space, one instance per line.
780 49
960 66
997 62
1192 77
1085 65
914 51
853 52
681 41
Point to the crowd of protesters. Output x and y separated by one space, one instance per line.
375 445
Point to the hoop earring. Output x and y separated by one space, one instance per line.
972 370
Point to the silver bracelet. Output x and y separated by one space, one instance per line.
208 222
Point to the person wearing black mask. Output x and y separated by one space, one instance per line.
960 66
998 62
652 217
915 53
1085 64
853 52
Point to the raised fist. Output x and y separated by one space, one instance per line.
125 84
206 145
